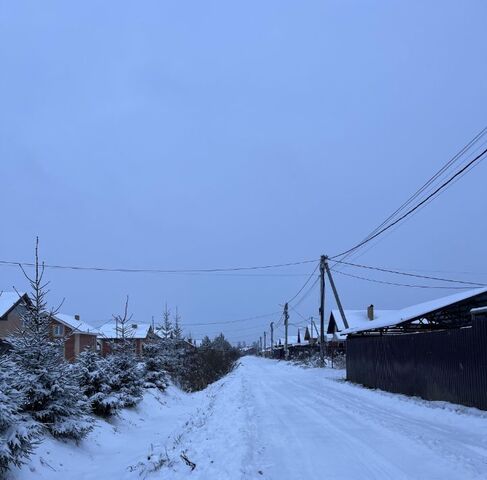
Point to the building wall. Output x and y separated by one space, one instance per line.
11 322
449 365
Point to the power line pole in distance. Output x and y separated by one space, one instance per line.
286 321
322 310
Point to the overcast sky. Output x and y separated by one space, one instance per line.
211 134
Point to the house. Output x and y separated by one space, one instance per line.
445 312
78 335
138 334
12 306
435 350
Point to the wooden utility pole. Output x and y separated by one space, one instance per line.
265 342
272 338
286 322
260 345
322 310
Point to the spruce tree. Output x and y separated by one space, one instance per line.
18 432
125 377
94 375
154 373
50 391
177 330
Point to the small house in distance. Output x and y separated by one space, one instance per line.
137 333
78 335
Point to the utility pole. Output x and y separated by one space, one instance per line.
286 321
260 345
322 310
265 342
272 338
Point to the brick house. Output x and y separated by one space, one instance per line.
138 333
78 335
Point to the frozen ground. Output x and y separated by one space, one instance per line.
277 421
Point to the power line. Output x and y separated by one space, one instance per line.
431 180
305 283
408 274
410 211
157 270
237 321
400 284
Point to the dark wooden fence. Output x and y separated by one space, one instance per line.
449 365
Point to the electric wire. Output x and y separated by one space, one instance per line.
396 284
413 209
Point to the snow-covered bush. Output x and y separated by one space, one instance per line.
94 376
154 373
202 366
18 432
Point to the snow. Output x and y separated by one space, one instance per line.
394 317
75 324
274 420
8 300
359 318
137 330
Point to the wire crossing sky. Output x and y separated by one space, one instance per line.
186 136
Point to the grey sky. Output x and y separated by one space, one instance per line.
201 134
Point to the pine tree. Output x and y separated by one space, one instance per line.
154 373
125 376
166 327
177 331
94 374
18 433
51 394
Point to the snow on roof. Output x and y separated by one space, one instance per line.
358 318
395 317
136 330
75 324
9 300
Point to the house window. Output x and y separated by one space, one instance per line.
58 330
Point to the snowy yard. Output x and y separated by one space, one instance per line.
269 419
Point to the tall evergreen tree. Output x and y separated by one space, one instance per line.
166 326
177 331
50 391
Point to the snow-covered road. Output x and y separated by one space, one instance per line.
278 421
273 420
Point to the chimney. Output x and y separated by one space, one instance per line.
370 312
76 317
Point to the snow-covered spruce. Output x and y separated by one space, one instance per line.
51 394
154 374
125 379
18 432
94 375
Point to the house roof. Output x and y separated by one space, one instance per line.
9 300
391 318
357 318
136 330
77 325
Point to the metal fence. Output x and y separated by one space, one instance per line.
449 365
